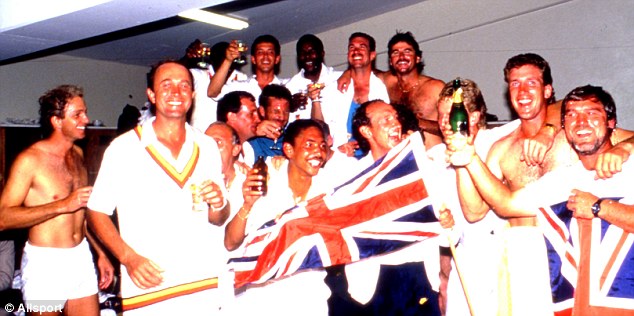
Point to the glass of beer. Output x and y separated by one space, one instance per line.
198 205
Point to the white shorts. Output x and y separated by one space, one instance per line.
57 274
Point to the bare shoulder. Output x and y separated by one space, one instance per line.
504 145
389 79
30 158
619 135
431 82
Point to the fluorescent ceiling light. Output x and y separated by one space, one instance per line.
215 19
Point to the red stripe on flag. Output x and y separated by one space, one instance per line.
328 223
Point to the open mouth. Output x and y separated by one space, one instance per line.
315 162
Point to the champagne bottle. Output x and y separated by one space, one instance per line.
458 117
262 169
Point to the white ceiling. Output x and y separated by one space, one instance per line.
140 32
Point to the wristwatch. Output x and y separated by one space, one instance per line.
596 207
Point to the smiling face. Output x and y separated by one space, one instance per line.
359 54
308 153
527 91
310 59
384 131
172 91
276 111
586 126
264 57
73 125
403 58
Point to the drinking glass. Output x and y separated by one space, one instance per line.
242 47
205 53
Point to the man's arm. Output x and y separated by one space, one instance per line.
495 193
490 190
219 78
143 272
430 126
235 231
609 163
218 205
13 213
535 148
104 266
616 213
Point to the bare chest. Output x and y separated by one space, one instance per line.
59 176
418 100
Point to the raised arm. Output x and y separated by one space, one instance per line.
460 156
219 79
489 188
235 231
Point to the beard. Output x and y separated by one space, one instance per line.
591 149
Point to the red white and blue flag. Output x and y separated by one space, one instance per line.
383 209
591 264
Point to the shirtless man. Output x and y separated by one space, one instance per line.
530 90
407 85
47 192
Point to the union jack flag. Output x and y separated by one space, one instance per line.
385 208
591 263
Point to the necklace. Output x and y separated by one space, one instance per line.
400 86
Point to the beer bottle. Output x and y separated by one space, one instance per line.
458 117
262 169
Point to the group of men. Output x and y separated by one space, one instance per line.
319 129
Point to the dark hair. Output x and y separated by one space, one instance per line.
359 119
408 38
274 91
471 97
370 39
53 103
231 103
297 126
267 38
218 52
324 127
535 60
309 38
407 118
590 93
152 74
235 138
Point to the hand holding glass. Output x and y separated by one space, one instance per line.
242 47
204 52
